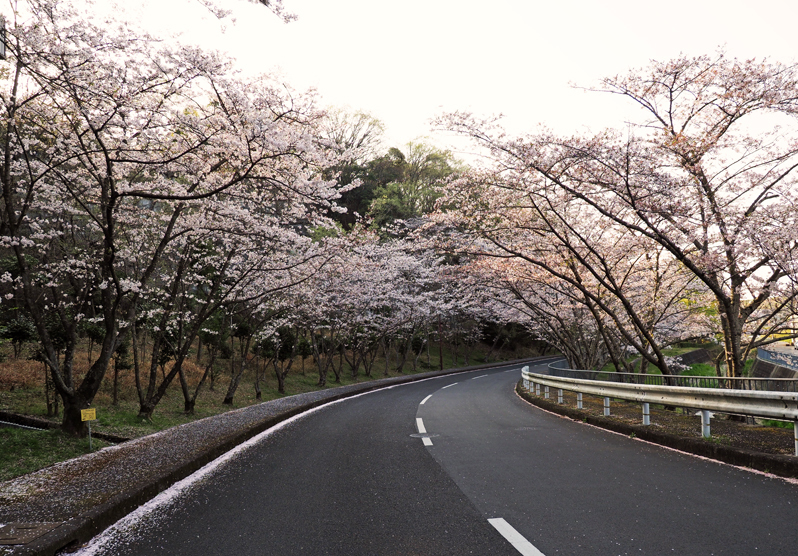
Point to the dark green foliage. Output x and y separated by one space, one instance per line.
92 330
396 185
122 356
225 351
509 336
287 342
280 345
303 348
59 336
20 331
12 266
242 330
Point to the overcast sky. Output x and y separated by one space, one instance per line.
405 62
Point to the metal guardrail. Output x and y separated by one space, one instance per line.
740 401
750 384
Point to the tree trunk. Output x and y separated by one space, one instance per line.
188 405
137 366
72 422
369 356
258 394
386 350
402 351
115 401
199 350
492 347
429 357
231 389
189 402
50 395
321 364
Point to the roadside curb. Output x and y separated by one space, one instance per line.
783 466
80 528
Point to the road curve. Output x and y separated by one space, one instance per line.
459 465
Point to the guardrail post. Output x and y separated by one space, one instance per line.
579 400
705 423
524 371
795 435
559 395
537 389
606 407
546 393
646 414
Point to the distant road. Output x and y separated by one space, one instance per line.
460 465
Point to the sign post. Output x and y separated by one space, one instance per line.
89 415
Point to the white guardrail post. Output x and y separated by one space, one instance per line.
705 415
757 403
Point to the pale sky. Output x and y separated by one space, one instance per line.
405 62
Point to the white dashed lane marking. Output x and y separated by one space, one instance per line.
422 430
425 400
452 384
514 537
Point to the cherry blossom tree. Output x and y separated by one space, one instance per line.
708 174
123 158
566 267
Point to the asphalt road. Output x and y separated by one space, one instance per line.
460 465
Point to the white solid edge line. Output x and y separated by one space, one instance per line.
452 384
425 400
420 425
514 537
427 441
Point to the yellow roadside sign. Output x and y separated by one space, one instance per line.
88 414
